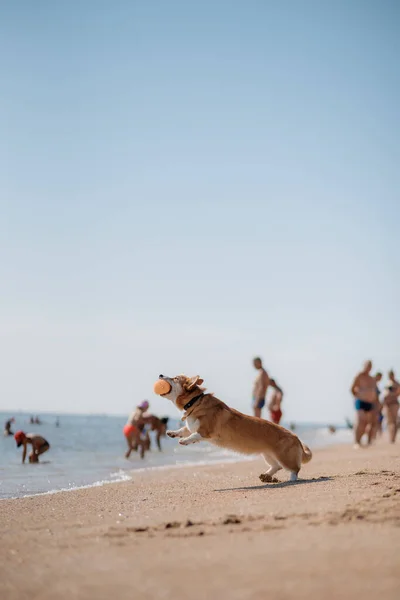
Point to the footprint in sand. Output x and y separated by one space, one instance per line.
231 520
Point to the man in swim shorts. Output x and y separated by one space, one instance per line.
364 392
260 387
39 445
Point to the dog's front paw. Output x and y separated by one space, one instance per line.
183 442
172 434
265 478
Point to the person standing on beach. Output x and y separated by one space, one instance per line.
274 406
364 392
39 445
391 405
372 427
260 387
378 407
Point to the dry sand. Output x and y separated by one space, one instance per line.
213 532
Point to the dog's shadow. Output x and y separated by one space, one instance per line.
270 486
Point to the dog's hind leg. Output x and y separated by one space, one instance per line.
292 463
274 466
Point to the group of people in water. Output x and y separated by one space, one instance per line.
32 421
136 431
370 408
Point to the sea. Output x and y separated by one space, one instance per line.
88 450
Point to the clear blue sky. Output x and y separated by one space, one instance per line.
185 185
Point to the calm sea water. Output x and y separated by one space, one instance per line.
89 450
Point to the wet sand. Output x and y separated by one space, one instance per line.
214 532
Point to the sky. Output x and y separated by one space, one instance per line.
187 185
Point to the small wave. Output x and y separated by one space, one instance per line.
114 478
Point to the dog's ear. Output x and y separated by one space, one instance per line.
191 382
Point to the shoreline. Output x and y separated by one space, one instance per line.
56 478
129 473
202 530
128 476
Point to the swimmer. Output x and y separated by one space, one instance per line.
391 405
274 405
157 425
364 392
39 445
131 429
260 388
7 426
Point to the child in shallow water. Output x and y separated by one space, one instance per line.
39 445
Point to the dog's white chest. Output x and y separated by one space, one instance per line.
192 424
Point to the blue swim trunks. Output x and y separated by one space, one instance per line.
362 405
259 403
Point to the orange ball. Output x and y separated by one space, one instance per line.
161 387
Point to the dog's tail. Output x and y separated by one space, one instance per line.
307 454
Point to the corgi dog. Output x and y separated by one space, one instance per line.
210 419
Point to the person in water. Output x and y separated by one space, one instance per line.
133 427
274 406
391 405
364 391
7 426
260 387
39 445
158 425
144 439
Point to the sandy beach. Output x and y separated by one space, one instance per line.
212 531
